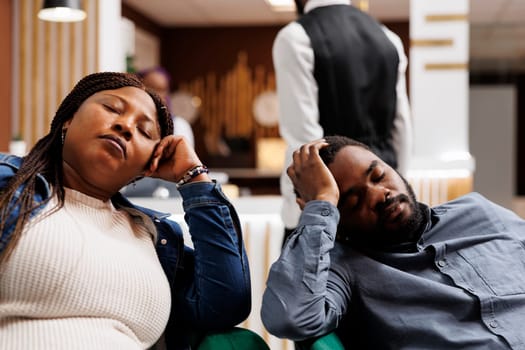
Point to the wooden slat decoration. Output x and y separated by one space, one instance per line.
35 75
227 101
48 112
446 17
52 57
431 42
437 190
447 66
85 39
23 56
97 34
59 63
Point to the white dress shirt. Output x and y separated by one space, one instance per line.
297 90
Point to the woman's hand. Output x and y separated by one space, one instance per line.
311 178
172 158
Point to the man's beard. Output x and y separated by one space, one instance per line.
381 236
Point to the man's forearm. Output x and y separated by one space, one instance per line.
296 304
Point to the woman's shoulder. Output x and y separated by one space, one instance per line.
9 160
9 164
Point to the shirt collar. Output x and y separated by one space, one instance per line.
312 4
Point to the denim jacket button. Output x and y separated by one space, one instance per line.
442 263
163 241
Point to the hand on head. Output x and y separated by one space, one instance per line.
311 178
172 158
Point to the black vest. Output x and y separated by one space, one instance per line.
356 72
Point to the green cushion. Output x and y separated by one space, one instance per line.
327 342
233 339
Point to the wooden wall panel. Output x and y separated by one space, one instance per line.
52 57
6 35
227 67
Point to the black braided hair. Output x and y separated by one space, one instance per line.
45 157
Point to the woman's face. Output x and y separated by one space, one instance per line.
109 141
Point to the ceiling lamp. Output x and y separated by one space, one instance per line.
62 11
282 5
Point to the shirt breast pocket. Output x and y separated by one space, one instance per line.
500 264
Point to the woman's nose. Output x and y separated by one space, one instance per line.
124 126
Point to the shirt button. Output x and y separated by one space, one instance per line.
163 241
325 212
442 263
493 324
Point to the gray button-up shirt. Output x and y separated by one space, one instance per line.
462 287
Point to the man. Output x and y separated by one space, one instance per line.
339 71
385 271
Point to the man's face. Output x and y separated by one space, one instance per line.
377 205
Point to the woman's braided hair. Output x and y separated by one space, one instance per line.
45 158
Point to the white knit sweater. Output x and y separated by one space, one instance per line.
85 277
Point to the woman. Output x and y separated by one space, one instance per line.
82 267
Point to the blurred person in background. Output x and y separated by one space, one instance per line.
159 80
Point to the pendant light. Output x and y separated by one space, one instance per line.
62 11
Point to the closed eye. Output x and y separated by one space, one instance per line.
111 109
144 132
379 178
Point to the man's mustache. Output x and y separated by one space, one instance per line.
385 207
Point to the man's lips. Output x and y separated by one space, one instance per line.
392 210
117 143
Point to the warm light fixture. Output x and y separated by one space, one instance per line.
62 11
282 5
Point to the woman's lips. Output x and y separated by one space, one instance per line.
116 144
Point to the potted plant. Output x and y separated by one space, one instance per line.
17 145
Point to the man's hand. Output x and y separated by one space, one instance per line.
311 178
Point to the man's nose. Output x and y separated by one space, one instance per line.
378 196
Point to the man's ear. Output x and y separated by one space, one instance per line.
66 124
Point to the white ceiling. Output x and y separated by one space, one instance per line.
497 26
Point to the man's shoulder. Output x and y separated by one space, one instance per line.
472 201
289 31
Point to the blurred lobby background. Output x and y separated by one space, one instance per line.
466 84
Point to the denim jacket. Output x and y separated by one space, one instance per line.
209 292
